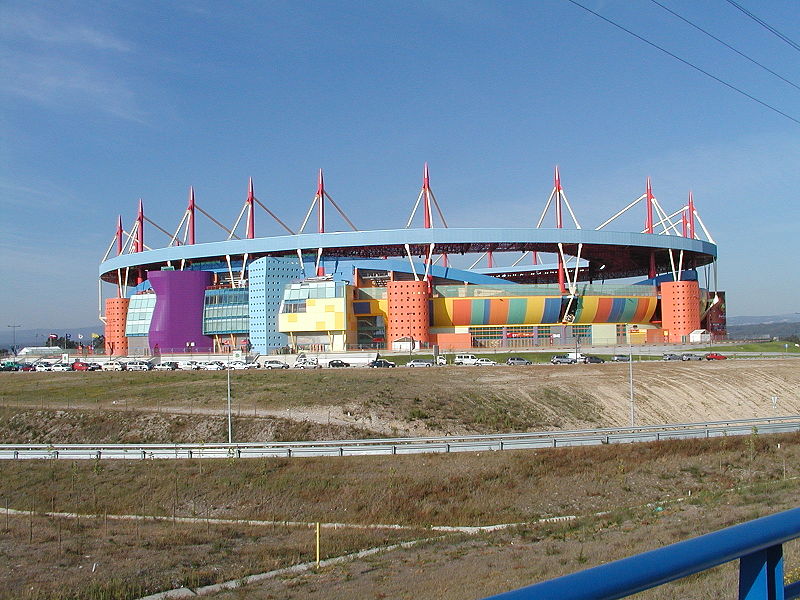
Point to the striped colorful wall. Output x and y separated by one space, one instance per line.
449 312
604 309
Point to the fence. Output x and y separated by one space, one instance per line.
758 543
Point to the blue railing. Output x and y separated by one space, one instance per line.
758 543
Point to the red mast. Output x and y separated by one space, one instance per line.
251 226
190 209
321 205
648 226
119 234
691 215
139 246
559 224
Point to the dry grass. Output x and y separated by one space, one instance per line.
730 480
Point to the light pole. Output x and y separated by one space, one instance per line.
630 378
230 429
14 337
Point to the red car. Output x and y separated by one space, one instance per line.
715 356
81 366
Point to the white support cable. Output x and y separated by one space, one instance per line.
546 208
438 210
119 281
479 259
666 219
128 246
244 266
110 246
672 262
564 261
318 261
300 258
428 261
519 260
308 214
414 210
340 211
411 262
577 266
178 230
238 220
125 285
183 263
569 208
230 269
217 223
621 212
680 265
662 213
273 215
157 226
708 235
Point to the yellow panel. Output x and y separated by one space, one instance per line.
291 318
535 309
442 312
321 326
311 302
338 322
588 309
330 308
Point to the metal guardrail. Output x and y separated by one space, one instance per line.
758 543
392 446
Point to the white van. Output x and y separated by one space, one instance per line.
113 365
577 357
188 365
465 359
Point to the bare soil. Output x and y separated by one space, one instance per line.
352 403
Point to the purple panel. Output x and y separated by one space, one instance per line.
178 314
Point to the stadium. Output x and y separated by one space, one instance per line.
337 291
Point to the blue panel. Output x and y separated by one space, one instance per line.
268 276
552 310
361 308
617 308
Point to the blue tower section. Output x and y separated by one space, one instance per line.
267 278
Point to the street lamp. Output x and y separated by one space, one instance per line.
14 337
630 378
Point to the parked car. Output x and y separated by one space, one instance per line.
337 364
485 362
239 365
10 366
95 366
441 360
562 359
670 356
465 359
593 360
210 365
61 367
621 358
690 356
113 365
306 363
419 362
79 365
188 365
166 366
44 366
138 365
27 367
715 356
517 360
275 364
381 363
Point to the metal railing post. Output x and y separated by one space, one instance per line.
761 575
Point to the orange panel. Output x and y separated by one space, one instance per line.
116 317
680 308
408 310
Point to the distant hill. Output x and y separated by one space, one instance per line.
787 318
763 330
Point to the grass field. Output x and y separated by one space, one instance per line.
421 491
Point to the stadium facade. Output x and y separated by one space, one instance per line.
347 290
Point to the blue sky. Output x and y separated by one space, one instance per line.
107 102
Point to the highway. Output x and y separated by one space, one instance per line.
394 446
